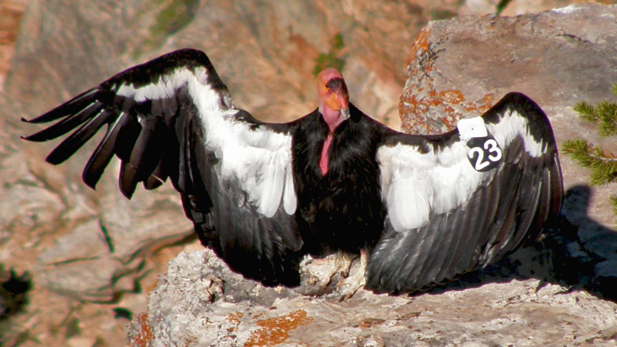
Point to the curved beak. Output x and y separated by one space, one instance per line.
333 93
343 101
345 112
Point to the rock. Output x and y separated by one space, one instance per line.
513 8
11 12
192 307
461 67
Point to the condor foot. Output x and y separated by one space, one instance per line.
337 276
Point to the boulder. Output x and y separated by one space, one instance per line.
199 302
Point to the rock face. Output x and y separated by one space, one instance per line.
463 66
11 12
81 246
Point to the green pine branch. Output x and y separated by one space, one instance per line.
604 114
603 164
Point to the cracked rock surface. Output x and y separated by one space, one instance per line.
200 303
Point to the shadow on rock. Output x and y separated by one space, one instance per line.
14 290
574 251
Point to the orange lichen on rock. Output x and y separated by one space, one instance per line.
420 45
371 322
235 317
276 330
451 105
144 337
452 96
425 110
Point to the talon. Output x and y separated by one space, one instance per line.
320 276
336 275
350 286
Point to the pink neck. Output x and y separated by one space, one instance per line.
333 119
323 161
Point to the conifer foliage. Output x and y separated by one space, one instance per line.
602 163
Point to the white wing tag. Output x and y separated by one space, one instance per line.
484 152
470 128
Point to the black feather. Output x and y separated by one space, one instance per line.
153 182
102 154
77 139
70 107
125 141
159 175
71 122
148 148
128 179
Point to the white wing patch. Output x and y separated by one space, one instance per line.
513 125
166 86
289 198
411 188
415 184
259 159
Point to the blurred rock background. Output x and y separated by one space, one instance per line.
92 257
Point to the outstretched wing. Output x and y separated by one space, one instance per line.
173 117
466 198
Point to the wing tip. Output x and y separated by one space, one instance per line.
518 98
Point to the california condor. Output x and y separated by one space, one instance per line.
424 208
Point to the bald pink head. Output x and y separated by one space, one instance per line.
333 97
